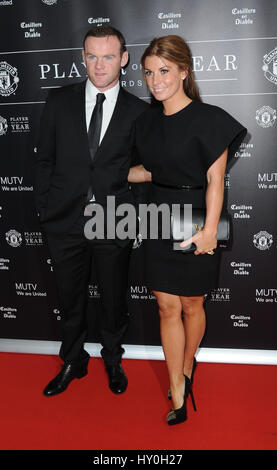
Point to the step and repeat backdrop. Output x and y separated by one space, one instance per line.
234 47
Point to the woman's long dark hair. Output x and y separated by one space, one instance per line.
175 49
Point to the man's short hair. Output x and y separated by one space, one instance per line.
103 31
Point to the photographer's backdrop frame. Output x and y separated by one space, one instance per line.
235 63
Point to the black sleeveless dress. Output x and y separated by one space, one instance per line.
178 150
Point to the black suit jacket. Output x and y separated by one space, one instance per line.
63 171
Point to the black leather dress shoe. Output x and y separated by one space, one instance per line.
62 380
117 379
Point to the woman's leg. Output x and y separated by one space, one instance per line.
194 325
173 342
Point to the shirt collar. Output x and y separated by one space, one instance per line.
110 94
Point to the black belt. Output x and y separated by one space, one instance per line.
183 188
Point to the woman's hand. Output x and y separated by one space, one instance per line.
204 240
138 174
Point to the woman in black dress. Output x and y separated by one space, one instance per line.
185 145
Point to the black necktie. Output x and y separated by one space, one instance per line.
94 131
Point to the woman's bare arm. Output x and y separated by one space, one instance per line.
206 239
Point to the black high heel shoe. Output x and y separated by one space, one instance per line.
180 415
190 393
191 379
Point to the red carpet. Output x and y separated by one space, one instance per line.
236 408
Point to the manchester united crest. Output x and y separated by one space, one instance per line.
266 116
8 79
263 240
14 238
49 2
270 66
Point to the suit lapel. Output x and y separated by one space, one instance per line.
78 105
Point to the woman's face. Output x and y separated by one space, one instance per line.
164 78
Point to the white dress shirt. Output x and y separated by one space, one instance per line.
108 105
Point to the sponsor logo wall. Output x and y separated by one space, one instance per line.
234 51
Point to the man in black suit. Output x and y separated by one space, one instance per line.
74 170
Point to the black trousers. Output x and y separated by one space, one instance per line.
72 259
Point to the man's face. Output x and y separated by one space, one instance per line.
103 60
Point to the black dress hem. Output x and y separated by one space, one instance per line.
178 291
